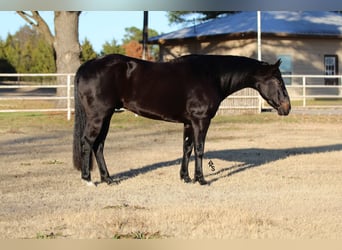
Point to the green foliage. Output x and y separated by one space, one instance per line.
177 17
6 67
134 33
42 58
112 47
87 51
26 52
138 236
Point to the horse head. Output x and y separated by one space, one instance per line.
271 86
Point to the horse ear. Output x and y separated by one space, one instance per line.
277 64
268 69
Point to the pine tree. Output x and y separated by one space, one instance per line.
87 51
27 52
112 47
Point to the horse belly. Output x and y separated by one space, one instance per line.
167 107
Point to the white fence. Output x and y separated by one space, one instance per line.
68 85
308 87
300 87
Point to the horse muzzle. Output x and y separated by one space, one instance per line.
284 108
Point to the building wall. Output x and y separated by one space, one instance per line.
307 53
244 47
307 59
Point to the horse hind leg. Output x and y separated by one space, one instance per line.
98 150
91 141
87 161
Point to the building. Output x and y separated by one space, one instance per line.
307 42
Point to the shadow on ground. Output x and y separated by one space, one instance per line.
248 158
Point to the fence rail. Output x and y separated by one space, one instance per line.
68 97
301 87
303 90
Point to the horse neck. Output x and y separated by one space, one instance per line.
232 82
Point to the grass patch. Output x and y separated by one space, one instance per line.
135 207
20 123
27 104
138 235
46 236
262 118
53 162
317 102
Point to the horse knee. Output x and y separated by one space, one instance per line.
199 150
92 131
187 149
86 146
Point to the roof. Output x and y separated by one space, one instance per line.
317 23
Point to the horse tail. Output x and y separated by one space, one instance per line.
79 126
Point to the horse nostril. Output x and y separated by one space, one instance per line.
284 108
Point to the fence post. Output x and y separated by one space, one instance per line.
68 97
304 91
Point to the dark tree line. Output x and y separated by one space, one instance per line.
27 50
33 48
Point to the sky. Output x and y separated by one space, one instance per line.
97 26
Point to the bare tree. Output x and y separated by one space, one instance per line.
65 42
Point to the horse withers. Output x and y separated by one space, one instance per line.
186 90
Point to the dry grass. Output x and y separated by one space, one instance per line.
274 177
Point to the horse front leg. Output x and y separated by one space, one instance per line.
200 132
188 144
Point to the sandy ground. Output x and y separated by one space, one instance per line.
277 180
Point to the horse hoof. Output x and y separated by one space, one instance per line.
89 183
201 181
186 179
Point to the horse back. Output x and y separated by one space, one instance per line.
173 91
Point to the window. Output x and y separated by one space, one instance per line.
330 68
286 67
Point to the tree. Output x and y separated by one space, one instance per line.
65 42
134 33
132 45
87 51
133 49
177 17
6 67
28 52
43 58
112 47
11 51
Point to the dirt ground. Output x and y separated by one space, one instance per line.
275 178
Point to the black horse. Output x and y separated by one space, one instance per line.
186 90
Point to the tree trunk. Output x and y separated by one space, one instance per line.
65 42
67 47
